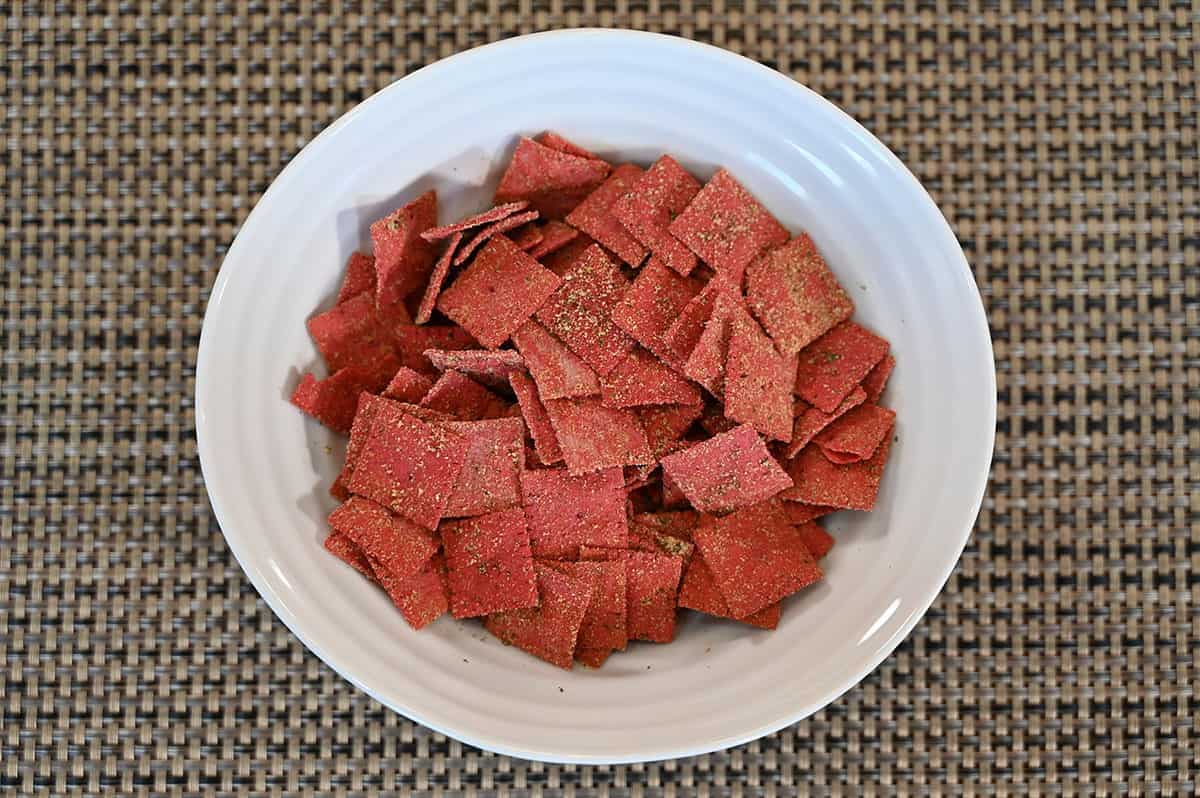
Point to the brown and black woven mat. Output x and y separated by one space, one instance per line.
1060 139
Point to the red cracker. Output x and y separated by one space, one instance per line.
403 259
593 436
391 543
726 226
360 276
350 335
579 312
412 342
725 472
603 628
493 214
491 231
646 211
856 435
527 237
437 278
498 292
489 367
833 365
490 567
422 598
810 420
877 379
698 591
458 395
490 478
665 425
852 486
816 539
536 419
557 142
706 363
555 236
558 372
554 182
685 331
334 400
652 304
756 557
594 216
642 379
794 294
346 550
549 630
758 381
803 513
408 465
360 430
565 512
406 386
651 591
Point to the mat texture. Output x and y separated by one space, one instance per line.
1060 139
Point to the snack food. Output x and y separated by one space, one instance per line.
614 393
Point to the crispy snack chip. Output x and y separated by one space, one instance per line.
490 567
758 381
359 277
490 367
651 305
408 465
852 486
726 226
642 379
799 513
422 598
793 293
490 478
833 365
498 292
816 539
437 278
756 557
403 259
493 230
565 512
647 208
407 385
856 435
877 379
458 395
398 546
493 214
350 335
579 312
552 181
549 630
555 236
811 420
556 142
558 372
727 471
593 436
594 216
334 400
698 591
651 592
545 442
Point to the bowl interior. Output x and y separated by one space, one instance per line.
627 97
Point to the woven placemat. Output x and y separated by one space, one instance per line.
1060 139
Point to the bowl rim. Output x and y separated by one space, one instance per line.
208 460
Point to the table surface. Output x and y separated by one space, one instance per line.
1059 138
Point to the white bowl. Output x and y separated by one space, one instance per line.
627 96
